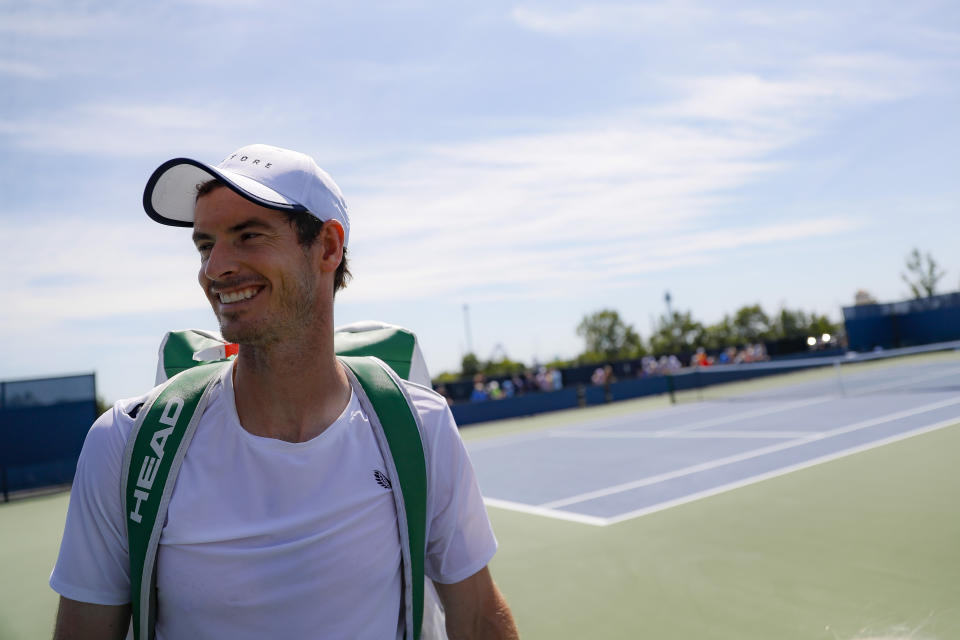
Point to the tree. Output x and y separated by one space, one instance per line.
820 325
720 335
751 324
446 376
922 274
791 324
607 337
502 367
677 334
797 324
470 365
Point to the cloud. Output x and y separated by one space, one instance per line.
40 22
22 69
566 212
88 268
777 18
753 100
226 4
606 18
587 206
583 205
123 130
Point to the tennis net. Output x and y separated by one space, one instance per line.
921 369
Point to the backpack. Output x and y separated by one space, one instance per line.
376 356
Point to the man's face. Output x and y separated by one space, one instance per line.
260 281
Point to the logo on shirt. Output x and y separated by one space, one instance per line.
382 479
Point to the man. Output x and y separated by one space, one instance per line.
279 525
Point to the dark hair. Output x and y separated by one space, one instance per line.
306 225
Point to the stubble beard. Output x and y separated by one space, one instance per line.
291 315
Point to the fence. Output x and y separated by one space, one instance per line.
42 426
903 324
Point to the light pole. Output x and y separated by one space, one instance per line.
466 325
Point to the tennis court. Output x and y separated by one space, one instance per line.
604 471
814 543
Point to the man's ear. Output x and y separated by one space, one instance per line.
330 245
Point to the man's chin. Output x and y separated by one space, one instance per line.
239 334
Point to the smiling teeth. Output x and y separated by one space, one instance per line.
236 296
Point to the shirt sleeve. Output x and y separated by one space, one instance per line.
460 540
93 564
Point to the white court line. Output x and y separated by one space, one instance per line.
805 403
507 440
783 471
670 412
672 433
780 406
788 406
886 385
650 415
549 513
747 455
630 515
537 434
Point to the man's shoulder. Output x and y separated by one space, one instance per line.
118 420
106 441
441 436
427 401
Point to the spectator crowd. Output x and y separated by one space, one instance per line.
551 378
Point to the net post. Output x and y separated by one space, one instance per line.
3 435
670 388
839 370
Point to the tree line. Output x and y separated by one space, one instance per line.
607 336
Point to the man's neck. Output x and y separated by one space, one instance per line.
290 391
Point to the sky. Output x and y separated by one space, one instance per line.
534 161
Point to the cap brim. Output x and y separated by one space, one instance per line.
171 192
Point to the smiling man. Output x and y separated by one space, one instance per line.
281 523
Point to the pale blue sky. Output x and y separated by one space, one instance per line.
537 161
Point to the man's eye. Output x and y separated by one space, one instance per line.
249 235
204 249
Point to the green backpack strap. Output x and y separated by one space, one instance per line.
395 420
166 424
155 450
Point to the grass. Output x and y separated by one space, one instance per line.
862 546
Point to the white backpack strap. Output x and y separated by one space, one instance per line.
396 425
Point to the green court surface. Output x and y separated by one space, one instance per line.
861 547
30 531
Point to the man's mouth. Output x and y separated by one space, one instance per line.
229 297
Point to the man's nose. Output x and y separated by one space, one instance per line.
221 261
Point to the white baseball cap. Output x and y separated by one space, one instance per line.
268 176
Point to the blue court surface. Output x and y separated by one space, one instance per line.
610 469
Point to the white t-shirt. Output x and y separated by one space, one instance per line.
267 538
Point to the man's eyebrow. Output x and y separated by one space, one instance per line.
250 223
